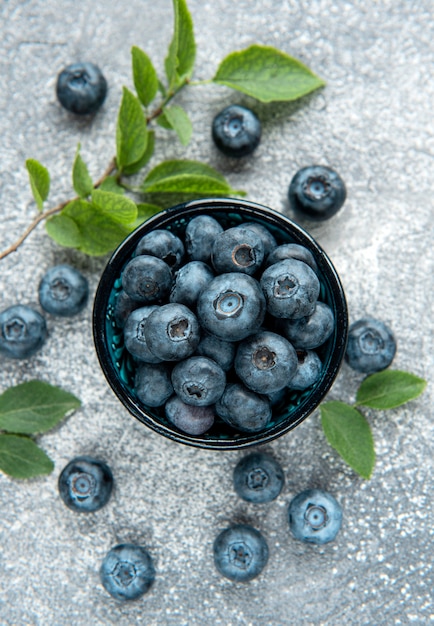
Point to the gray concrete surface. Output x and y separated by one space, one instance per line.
373 123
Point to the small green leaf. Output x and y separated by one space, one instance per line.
179 121
182 50
20 457
349 434
39 181
81 180
144 212
117 207
389 389
63 230
267 74
34 407
136 167
167 169
131 130
110 184
144 75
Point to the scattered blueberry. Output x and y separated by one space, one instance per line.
85 484
193 420
63 291
23 331
258 478
308 370
312 331
152 384
220 351
172 332
232 306
291 289
127 571
190 279
147 279
164 245
81 88
237 249
317 192
265 362
198 381
315 516
199 237
243 409
135 335
236 131
240 553
371 346
291 251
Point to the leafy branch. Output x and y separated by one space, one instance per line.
96 223
28 409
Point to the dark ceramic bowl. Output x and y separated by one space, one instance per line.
119 366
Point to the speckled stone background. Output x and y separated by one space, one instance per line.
374 124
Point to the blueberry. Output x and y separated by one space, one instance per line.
172 332
232 306
63 291
243 409
291 289
123 306
198 381
220 351
152 384
265 362
317 192
135 336
315 516
268 241
193 420
147 279
311 331
85 484
199 237
190 279
291 251
236 131
81 88
258 478
371 346
127 571
308 370
237 249
240 553
23 331
164 245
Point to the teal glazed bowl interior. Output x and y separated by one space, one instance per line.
119 366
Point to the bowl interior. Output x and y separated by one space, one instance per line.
119 366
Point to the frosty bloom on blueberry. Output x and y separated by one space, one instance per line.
236 131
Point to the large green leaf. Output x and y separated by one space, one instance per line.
34 407
167 169
144 75
267 74
114 205
350 435
20 457
144 159
39 181
180 59
131 130
389 389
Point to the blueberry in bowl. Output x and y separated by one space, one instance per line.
251 355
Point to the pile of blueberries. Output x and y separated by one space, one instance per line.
221 324
240 551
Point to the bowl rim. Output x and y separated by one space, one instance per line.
191 209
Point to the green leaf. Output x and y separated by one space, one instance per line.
96 232
110 184
34 407
81 180
20 457
389 389
349 434
136 167
117 207
63 230
179 62
144 212
187 177
267 74
131 130
144 75
177 120
39 181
